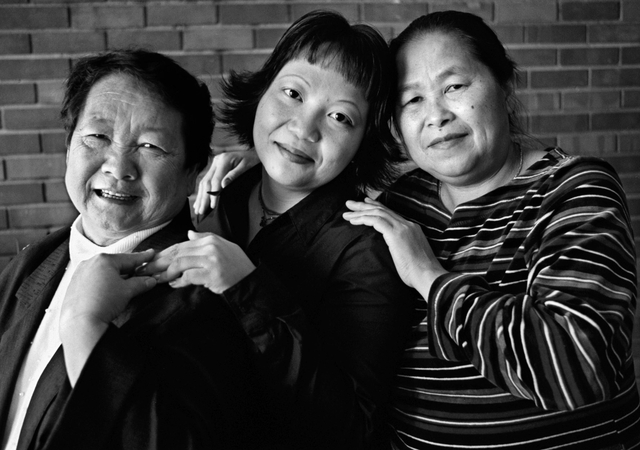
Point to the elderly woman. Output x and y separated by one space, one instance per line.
525 259
90 360
319 298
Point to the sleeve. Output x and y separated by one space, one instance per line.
329 377
565 341
188 389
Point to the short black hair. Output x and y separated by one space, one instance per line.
360 54
162 76
482 43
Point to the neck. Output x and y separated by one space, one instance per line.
452 195
277 198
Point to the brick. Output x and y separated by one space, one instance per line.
157 40
50 92
614 33
22 167
20 192
557 34
510 34
13 44
588 144
223 139
625 163
631 99
68 42
631 11
200 64
17 94
544 101
239 62
14 143
107 16
348 10
28 118
12 242
589 56
393 12
53 142
554 123
616 121
534 56
520 11
590 11
213 83
183 14
616 77
224 38
254 14
630 143
41 215
631 183
33 17
33 69
483 9
559 78
591 100
630 55
268 37
55 191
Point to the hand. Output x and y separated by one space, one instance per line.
225 167
412 255
100 289
206 260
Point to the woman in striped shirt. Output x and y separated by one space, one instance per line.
528 268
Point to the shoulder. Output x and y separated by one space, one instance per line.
34 253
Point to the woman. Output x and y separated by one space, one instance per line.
525 259
319 298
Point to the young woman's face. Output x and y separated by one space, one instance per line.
451 112
309 125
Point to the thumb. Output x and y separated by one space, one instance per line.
193 235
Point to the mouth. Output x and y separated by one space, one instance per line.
115 196
294 155
447 138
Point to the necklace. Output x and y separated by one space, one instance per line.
268 215
517 173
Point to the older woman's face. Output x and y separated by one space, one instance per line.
126 161
451 112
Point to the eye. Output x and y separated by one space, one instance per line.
453 88
410 101
293 93
341 118
149 146
95 140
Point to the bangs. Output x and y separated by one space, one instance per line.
347 59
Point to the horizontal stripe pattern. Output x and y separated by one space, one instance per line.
526 344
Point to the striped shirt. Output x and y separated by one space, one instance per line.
526 343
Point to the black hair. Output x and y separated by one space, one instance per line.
162 76
482 43
360 54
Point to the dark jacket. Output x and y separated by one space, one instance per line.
172 372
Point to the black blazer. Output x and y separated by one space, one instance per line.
173 371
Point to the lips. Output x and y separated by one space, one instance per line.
446 138
113 195
294 155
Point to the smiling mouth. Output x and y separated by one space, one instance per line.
294 155
110 195
447 138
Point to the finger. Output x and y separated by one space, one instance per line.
202 198
138 285
127 262
362 206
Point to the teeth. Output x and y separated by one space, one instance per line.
115 195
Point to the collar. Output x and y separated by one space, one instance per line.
307 216
81 248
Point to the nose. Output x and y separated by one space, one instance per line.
305 126
437 113
120 164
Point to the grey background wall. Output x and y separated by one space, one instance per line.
580 62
